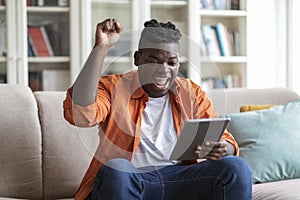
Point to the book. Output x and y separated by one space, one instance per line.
50 2
29 49
216 41
213 82
222 33
219 4
40 2
236 43
63 2
31 2
54 35
228 81
54 2
230 43
207 4
210 40
235 4
35 81
237 80
39 41
3 78
3 43
207 84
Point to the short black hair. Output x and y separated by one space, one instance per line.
159 32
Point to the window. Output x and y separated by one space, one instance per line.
293 63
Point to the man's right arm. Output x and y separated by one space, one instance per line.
84 89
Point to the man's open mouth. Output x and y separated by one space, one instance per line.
161 82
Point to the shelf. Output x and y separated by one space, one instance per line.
111 2
223 59
186 14
223 13
168 3
57 59
47 9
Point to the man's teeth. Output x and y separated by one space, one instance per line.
160 81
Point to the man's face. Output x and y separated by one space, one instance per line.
157 68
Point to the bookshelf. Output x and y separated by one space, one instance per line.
137 11
55 23
189 16
218 67
81 16
76 25
119 58
3 59
59 22
176 12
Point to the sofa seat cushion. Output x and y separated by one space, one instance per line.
279 190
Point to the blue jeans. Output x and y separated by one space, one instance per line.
228 178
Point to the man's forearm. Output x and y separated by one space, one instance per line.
84 89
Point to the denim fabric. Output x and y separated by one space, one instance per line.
229 178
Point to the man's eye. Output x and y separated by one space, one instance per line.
172 63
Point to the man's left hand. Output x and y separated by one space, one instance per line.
216 150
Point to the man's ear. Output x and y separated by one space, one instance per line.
137 58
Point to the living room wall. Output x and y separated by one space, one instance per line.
273 37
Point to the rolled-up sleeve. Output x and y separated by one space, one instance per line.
229 138
86 116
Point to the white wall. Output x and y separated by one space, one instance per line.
294 49
264 59
273 44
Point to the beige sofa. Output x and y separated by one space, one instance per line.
43 157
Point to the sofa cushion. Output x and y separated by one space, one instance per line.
279 190
67 150
20 144
269 141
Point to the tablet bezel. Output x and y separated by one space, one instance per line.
192 136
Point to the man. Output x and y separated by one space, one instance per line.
140 115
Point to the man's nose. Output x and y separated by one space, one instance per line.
165 64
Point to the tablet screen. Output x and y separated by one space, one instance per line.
196 132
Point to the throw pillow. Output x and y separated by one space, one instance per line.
269 140
246 108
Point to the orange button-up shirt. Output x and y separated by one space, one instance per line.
118 112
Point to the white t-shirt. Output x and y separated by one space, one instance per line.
158 136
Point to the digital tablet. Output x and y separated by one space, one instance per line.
196 132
